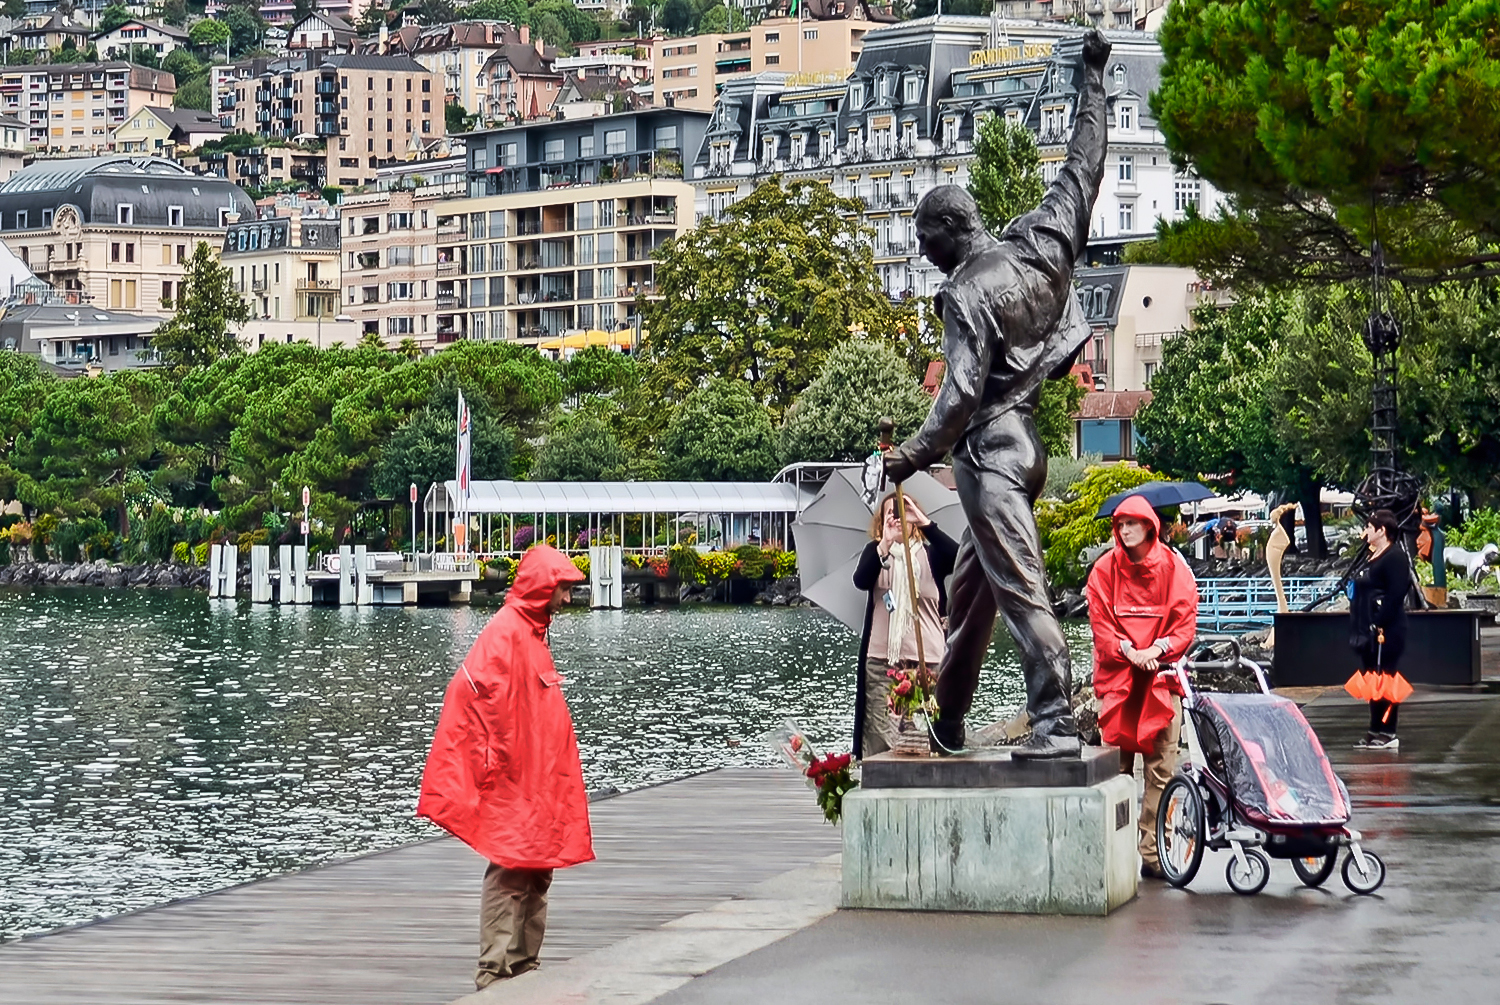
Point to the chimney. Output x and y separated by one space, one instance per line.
294 227
540 46
525 34
385 38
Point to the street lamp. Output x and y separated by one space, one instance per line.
340 318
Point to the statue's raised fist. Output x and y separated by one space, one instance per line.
1095 49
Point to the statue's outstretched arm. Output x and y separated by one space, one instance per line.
1059 228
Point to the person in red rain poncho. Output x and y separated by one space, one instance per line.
503 774
1143 607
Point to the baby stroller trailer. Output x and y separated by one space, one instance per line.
1265 789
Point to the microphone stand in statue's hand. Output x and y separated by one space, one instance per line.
1275 550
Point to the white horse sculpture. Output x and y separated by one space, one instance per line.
1473 565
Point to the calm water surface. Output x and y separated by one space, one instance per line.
156 745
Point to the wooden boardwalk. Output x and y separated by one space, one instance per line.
401 926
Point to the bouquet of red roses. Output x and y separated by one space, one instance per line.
831 777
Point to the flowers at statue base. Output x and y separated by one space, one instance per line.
913 691
830 776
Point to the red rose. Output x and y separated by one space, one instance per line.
904 688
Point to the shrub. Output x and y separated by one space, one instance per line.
180 553
684 563
1069 527
752 561
581 562
1481 528
785 565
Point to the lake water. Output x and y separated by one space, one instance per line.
156 745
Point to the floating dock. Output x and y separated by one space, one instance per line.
356 577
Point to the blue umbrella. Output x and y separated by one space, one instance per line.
1159 495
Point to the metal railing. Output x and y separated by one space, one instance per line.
1249 602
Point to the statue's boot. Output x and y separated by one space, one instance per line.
1042 746
947 737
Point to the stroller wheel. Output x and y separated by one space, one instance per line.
1180 831
1315 870
1364 882
1252 879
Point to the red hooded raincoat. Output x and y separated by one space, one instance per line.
503 774
1145 603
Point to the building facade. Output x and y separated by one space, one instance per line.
73 108
288 270
115 230
72 337
367 110
137 35
903 122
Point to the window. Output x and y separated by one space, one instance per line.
583 216
46 218
124 214
552 150
398 221
913 92
181 254
174 216
476 225
666 137
768 150
772 37
398 291
1187 193
477 289
585 147
507 153
370 225
480 160
497 225
365 260
1127 168
1151 366
21 218
497 291
166 254
476 259
614 141
773 60
1127 217
586 249
224 212
810 33
1125 116
606 282
399 326
114 251
606 212
370 294
399 255
129 252
857 94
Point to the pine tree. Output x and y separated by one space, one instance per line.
208 307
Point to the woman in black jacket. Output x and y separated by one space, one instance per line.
1377 613
890 615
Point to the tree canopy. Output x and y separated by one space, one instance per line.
720 433
764 293
113 16
208 310
580 448
1332 126
1006 176
838 417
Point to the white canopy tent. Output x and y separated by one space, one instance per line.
640 516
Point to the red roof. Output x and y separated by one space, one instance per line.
1112 404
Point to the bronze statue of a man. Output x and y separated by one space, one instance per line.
1010 320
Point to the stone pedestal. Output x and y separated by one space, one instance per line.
996 846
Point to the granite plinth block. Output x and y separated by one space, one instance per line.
1043 850
988 768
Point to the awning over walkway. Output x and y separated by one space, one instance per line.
626 497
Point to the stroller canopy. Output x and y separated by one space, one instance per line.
1271 759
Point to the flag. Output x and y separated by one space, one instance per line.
464 464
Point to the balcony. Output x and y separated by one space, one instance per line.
259 285
449 301
327 87
306 285
325 108
450 228
450 268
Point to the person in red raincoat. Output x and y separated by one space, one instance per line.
1143 607
503 773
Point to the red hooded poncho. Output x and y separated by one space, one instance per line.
1145 603
503 774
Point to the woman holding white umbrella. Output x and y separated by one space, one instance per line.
892 613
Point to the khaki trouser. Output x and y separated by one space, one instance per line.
1157 770
512 920
876 738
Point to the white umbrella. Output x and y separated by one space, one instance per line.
835 527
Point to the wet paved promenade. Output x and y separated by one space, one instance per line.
401 926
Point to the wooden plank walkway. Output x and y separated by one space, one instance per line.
401 926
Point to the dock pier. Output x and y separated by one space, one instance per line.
355 577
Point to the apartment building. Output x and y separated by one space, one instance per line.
690 72
1108 13
456 52
368 110
545 229
563 219
903 122
288 269
73 108
322 31
518 83
116 230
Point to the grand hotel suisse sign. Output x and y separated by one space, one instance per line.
1010 53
